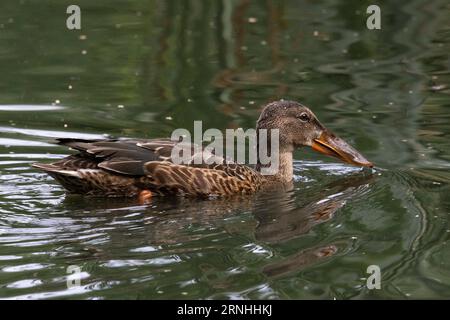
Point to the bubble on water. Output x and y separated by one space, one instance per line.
252 20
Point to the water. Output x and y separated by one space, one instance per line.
144 68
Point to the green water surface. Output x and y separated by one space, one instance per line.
145 68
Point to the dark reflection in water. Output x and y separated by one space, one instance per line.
282 221
145 68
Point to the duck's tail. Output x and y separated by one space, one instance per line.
72 180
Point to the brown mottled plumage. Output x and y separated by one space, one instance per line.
132 167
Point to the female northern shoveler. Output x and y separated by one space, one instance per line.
137 167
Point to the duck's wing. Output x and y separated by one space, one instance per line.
101 167
125 156
150 162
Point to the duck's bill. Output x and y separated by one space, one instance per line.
334 146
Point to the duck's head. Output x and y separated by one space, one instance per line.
298 126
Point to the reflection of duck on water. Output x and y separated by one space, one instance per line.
136 167
284 221
278 218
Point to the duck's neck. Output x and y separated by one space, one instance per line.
283 172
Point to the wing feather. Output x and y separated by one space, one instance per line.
196 181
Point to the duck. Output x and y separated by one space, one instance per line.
144 168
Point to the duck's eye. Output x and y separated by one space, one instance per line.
304 117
